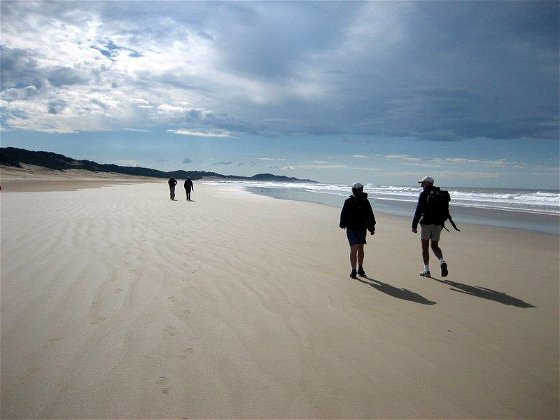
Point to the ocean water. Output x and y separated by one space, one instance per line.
535 210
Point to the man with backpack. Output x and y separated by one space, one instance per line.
357 217
432 211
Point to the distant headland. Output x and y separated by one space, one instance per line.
14 157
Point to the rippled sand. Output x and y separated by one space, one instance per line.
120 303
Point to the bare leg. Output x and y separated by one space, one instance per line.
360 254
437 250
354 256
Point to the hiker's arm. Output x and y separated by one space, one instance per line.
343 216
417 214
371 226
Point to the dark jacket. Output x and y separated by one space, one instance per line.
172 182
188 185
421 215
357 213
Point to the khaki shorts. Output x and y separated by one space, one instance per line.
430 232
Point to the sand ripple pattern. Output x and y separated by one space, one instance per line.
120 303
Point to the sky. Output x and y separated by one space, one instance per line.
378 92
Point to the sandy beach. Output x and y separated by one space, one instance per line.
117 302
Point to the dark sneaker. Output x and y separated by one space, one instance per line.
361 272
444 271
425 274
353 274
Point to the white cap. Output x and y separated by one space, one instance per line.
427 179
357 186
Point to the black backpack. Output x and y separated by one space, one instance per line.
437 206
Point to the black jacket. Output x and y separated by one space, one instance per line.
357 213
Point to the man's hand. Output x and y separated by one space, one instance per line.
372 231
414 230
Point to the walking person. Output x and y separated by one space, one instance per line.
357 218
431 215
188 187
172 182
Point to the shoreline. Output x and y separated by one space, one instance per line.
37 179
120 303
547 224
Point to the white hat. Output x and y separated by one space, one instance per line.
427 179
357 186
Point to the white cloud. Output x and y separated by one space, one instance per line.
132 163
137 130
476 162
438 162
314 165
201 133
180 113
359 156
403 157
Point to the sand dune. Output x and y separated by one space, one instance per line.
119 303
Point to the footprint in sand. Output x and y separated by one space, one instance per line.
185 313
170 330
186 353
52 341
117 290
172 299
163 380
98 320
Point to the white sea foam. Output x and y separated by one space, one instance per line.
525 201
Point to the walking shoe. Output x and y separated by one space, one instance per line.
425 274
353 274
444 271
361 272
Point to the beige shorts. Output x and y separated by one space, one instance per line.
430 232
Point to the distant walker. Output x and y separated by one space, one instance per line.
172 182
188 187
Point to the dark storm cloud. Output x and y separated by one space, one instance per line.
265 40
56 106
20 69
430 70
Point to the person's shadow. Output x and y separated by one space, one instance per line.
484 293
403 294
